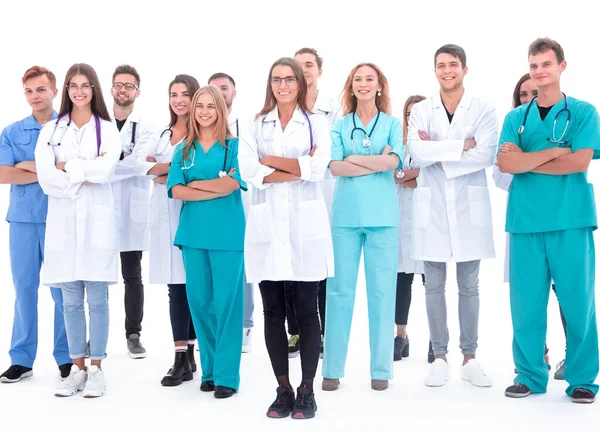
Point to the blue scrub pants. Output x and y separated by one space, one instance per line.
381 265
26 242
568 258
215 290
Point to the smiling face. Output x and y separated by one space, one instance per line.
125 97
180 99
449 72
205 111
545 69
39 93
284 84
365 84
81 91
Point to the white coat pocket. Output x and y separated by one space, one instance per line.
480 208
56 230
139 205
103 236
421 207
313 219
258 226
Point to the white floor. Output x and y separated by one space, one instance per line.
135 400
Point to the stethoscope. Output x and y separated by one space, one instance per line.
222 173
310 130
98 135
554 139
367 140
132 145
169 130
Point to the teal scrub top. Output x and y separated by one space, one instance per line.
217 224
28 203
541 202
371 200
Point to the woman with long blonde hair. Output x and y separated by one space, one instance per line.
204 174
367 148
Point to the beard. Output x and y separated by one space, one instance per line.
124 103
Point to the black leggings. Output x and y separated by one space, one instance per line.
179 310
403 296
305 306
292 322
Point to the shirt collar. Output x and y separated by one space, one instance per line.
30 122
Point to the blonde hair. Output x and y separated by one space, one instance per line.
382 102
221 126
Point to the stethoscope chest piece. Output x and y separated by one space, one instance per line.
222 173
366 142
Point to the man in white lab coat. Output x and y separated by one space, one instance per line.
452 136
226 85
132 200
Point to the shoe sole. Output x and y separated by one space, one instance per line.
437 385
475 384
4 379
515 395
293 354
302 416
185 378
92 395
277 415
584 400
137 355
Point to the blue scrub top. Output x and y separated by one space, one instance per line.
371 200
28 203
541 202
217 224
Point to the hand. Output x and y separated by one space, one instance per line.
61 166
87 182
27 166
563 151
313 150
470 143
423 135
510 147
150 158
265 161
386 150
102 154
125 155
233 170
349 159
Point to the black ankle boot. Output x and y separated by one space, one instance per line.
401 348
180 372
190 357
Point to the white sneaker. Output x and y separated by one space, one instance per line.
73 383
473 372
247 342
439 373
95 386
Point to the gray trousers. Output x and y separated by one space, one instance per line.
467 276
248 305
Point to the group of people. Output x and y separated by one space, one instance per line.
290 201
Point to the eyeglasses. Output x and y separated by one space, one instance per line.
290 81
85 87
128 86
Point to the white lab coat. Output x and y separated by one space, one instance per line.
331 109
288 237
452 215
503 181
406 263
81 234
235 127
166 261
132 193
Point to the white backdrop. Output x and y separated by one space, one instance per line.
244 39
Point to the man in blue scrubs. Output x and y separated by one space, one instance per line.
548 145
27 218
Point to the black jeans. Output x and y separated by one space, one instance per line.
404 296
305 306
131 268
179 310
291 314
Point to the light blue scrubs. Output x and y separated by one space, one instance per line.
27 218
365 216
550 220
211 238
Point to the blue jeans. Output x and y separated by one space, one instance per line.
75 323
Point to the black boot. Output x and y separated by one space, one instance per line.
180 372
401 348
190 357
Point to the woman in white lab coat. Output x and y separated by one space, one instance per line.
283 154
75 158
524 92
406 182
166 262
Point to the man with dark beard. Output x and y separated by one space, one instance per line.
132 195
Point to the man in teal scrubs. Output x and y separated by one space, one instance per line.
548 145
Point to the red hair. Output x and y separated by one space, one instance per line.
37 71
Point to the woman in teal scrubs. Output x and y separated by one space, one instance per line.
366 149
204 174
